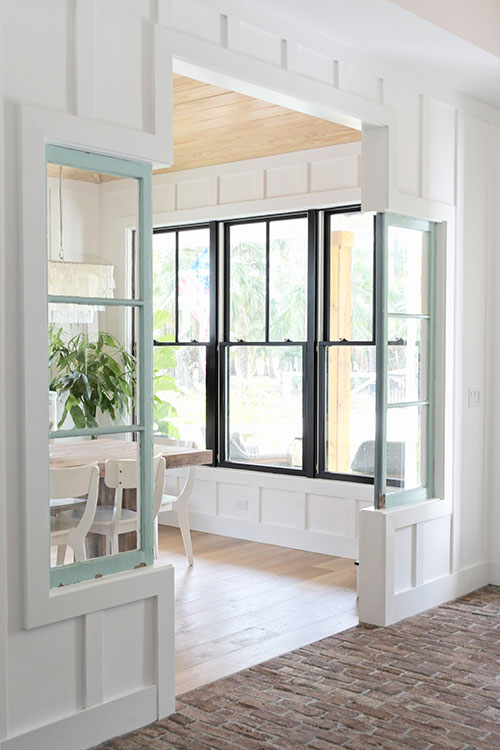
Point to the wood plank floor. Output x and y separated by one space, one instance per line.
243 602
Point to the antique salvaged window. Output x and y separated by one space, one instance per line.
99 375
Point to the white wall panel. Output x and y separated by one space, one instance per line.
203 499
438 149
124 63
239 501
334 173
308 63
289 180
359 82
408 105
283 508
404 553
257 43
331 515
194 18
194 193
129 635
163 198
34 46
435 549
45 674
243 186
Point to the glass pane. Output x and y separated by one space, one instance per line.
89 254
83 480
92 367
408 264
180 392
407 445
288 279
194 285
350 409
164 286
407 360
264 424
247 284
351 277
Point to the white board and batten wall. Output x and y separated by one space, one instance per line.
98 74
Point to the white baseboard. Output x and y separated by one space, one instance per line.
309 541
494 575
420 598
92 725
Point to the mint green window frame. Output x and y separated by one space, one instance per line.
142 172
400 497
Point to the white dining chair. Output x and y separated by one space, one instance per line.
113 520
178 503
68 486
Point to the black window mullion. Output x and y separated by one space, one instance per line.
212 374
227 282
176 322
309 433
267 281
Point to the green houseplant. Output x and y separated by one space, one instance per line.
98 376
90 376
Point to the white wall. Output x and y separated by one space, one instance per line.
106 65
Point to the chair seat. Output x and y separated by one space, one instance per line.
65 503
61 526
167 502
103 517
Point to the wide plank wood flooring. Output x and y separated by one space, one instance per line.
244 602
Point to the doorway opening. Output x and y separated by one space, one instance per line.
255 186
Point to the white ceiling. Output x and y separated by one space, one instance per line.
402 40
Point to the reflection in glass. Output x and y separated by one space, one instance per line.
180 392
194 285
407 360
92 371
408 267
83 260
351 277
90 515
350 409
164 286
247 284
287 279
407 445
264 423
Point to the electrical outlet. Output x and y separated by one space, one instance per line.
241 504
474 397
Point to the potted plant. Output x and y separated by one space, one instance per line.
90 377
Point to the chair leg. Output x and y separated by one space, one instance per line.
61 554
183 517
80 552
156 538
114 544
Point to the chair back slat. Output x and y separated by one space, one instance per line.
71 482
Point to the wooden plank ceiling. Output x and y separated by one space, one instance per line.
215 126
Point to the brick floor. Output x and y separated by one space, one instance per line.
431 681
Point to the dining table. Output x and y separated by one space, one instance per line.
66 453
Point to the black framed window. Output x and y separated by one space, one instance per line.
265 420
347 354
184 330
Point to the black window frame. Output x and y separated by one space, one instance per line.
315 346
212 376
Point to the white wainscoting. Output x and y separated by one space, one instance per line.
406 562
317 515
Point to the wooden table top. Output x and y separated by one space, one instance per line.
72 453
